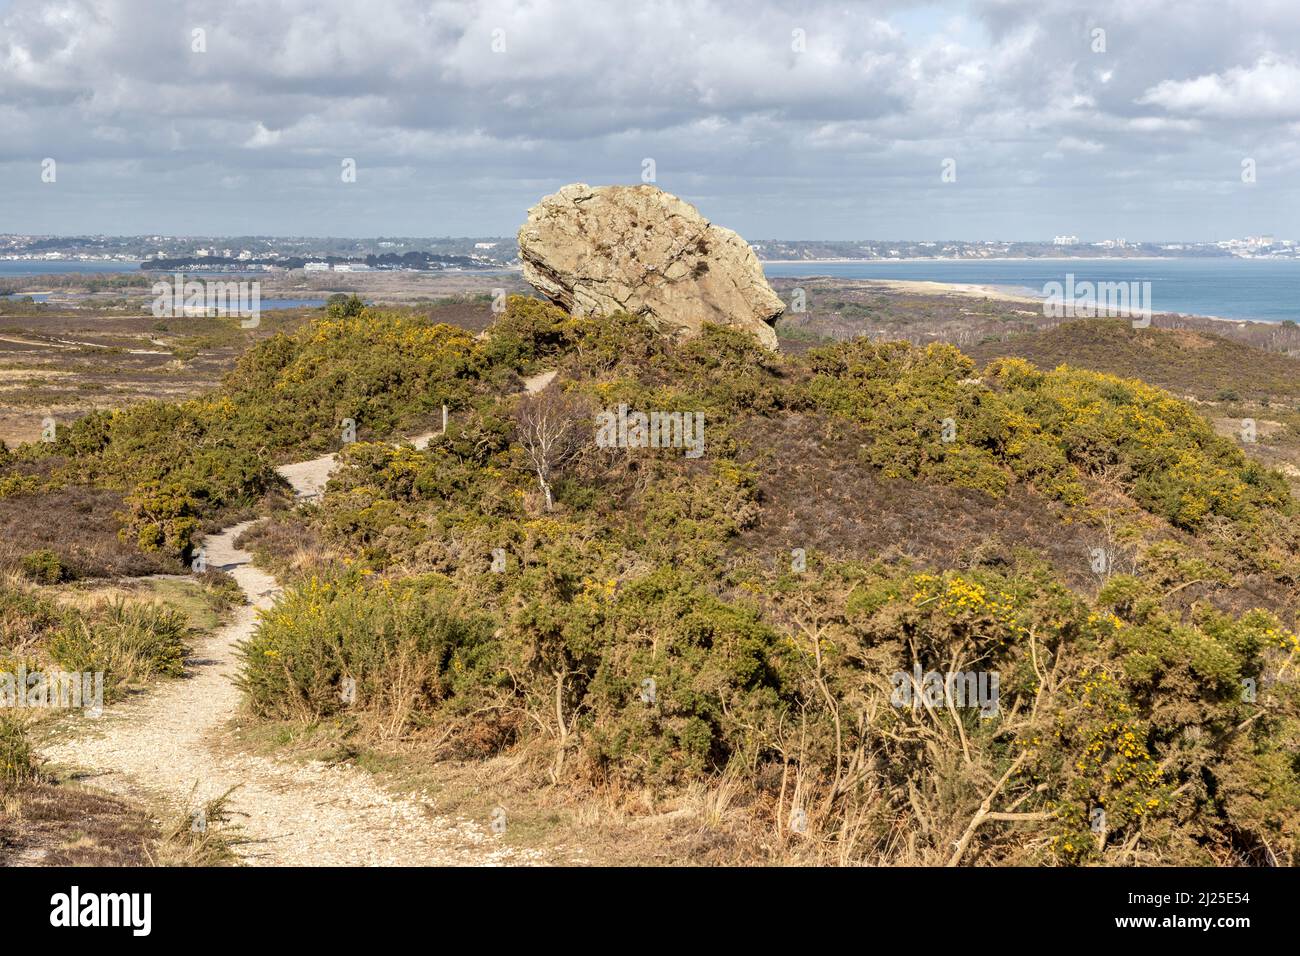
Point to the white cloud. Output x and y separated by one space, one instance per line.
262 138
1269 89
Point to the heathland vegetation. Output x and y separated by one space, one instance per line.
637 621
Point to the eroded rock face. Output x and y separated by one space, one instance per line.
599 250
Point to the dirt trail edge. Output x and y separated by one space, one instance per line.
159 745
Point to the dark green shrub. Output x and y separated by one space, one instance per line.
17 757
44 567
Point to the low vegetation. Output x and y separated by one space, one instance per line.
131 641
72 643
624 621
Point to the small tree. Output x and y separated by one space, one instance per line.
340 306
551 428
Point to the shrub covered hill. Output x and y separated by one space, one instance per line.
1114 584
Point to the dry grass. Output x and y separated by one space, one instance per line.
198 835
48 824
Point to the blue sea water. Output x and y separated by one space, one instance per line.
1260 289
10 268
269 305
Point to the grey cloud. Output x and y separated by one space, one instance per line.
843 139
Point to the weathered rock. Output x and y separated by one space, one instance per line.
600 250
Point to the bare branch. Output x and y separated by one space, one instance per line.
551 429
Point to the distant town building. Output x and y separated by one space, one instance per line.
1065 240
1254 244
485 245
317 267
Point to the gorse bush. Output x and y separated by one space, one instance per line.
174 462
340 306
17 756
1097 712
129 641
656 681
338 645
162 517
1050 429
293 393
566 659
1156 445
25 618
43 567
377 369
704 694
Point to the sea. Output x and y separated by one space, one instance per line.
1263 290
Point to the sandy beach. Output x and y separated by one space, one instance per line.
962 289
968 290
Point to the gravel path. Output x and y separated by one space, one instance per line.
161 745
310 477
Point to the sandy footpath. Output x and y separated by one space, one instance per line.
160 745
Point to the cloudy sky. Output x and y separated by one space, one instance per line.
793 120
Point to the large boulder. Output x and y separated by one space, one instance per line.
604 249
